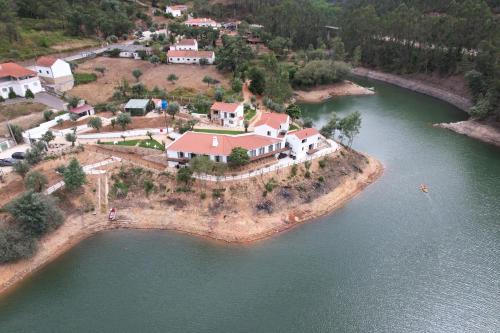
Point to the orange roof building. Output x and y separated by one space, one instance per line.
17 80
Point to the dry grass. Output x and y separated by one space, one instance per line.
12 111
117 69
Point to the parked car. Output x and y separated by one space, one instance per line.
19 155
7 162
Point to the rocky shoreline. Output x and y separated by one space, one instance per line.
475 129
78 228
323 93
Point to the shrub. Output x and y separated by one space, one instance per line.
95 122
17 132
21 168
29 94
35 181
148 186
84 78
74 176
322 163
184 175
123 119
238 157
48 115
119 190
15 245
36 213
293 170
34 155
12 94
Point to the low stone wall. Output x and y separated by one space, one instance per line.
417 86
130 150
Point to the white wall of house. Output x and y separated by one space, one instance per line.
60 68
301 147
190 60
204 24
126 54
174 12
229 119
20 86
266 130
178 47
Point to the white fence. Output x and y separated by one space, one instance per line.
130 133
88 169
280 165
37 132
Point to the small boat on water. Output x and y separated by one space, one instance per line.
424 188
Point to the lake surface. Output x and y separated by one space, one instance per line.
392 260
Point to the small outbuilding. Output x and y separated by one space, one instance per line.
138 107
83 110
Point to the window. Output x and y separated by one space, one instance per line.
304 141
262 150
270 148
268 133
278 145
217 158
252 153
181 154
48 72
39 71
232 115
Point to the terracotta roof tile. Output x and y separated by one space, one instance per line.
304 133
14 70
272 119
190 53
202 143
46 61
186 42
225 107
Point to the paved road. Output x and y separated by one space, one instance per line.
43 98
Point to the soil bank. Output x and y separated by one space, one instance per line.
246 228
322 93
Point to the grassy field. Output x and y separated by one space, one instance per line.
83 78
12 111
40 37
250 114
140 143
217 131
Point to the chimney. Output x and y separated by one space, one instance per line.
215 142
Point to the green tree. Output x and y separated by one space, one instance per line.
328 130
172 109
29 94
123 119
172 78
219 94
238 157
35 181
15 245
17 133
137 73
74 176
208 80
234 54
35 213
293 110
71 137
338 49
350 125
48 115
185 176
236 85
48 136
476 82
34 154
95 122
21 168
258 81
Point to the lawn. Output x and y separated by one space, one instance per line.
12 111
250 114
140 143
217 131
84 78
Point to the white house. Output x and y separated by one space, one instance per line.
227 114
190 57
272 124
18 79
83 110
218 147
56 72
176 10
202 22
303 142
185 45
133 51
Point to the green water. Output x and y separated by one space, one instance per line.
392 260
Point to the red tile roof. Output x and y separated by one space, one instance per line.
304 133
178 7
14 70
200 21
272 119
190 54
225 107
46 61
81 109
202 143
186 42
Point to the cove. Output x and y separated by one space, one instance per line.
393 259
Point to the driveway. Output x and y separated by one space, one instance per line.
44 98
